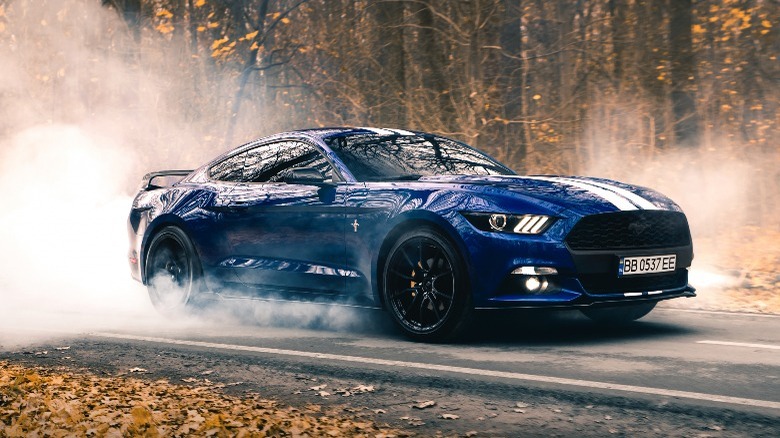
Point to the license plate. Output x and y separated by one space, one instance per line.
647 264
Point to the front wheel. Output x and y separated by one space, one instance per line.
619 314
173 271
425 287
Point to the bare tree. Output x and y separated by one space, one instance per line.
683 72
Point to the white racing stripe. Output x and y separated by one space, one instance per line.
388 131
613 198
459 370
741 344
380 131
631 196
400 131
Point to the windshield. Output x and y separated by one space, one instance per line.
377 157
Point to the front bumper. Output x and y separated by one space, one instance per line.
584 277
567 299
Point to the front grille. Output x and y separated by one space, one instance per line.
639 229
609 283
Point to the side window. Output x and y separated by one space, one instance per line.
230 169
238 167
260 161
270 163
287 155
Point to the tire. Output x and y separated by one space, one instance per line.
619 314
173 272
425 287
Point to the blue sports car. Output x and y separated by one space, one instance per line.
426 227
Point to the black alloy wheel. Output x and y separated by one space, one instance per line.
425 287
172 270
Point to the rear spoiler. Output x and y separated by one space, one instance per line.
146 182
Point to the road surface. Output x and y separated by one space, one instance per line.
675 373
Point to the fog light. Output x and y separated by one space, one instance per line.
535 270
533 284
536 285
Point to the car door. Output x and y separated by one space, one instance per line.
286 238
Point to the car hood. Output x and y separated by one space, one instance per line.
584 195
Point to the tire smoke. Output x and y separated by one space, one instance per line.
85 111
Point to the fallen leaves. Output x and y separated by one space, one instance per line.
412 421
61 403
360 389
424 404
344 392
520 407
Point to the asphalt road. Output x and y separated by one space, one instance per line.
675 373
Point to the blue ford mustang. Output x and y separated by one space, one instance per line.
423 226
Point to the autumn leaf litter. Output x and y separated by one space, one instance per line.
58 402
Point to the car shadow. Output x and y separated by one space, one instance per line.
536 327
562 327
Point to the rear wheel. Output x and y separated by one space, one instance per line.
173 271
425 286
619 314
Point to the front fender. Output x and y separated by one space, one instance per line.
409 220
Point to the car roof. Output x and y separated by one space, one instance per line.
337 131
314 134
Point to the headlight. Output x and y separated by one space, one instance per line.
510 223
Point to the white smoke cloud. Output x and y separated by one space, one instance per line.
67 158
62 230
716 184
85 111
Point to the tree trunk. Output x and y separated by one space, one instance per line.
683 73
617 11
390 63
248 66
653 68
511 81
432 57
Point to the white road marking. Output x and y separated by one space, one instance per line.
459 370
720 312
741 344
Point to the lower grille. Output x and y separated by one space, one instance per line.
609 283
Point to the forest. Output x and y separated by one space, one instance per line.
682 96
536 83
669 93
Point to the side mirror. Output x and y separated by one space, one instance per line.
305 175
